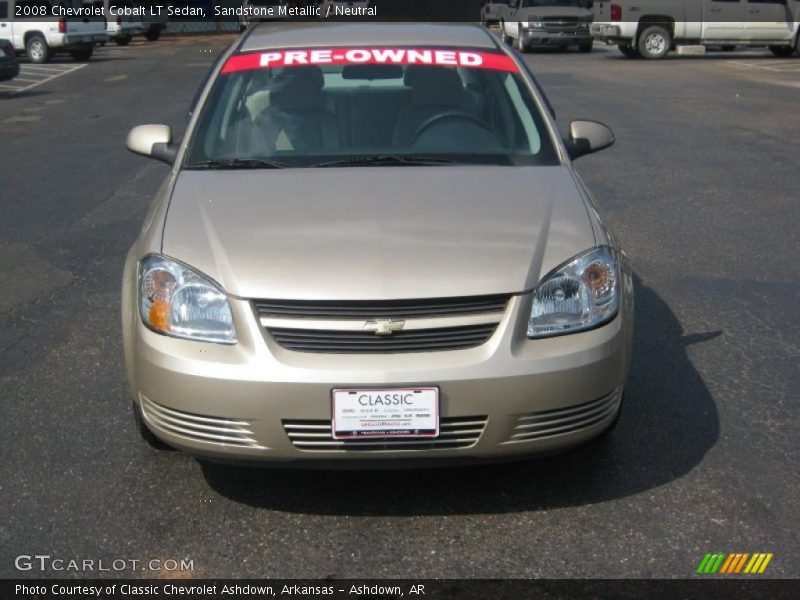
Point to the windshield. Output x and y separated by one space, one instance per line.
438 106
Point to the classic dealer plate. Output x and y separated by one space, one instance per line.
390 412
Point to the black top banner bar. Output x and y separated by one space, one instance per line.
249 11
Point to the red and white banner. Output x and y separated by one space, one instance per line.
370 56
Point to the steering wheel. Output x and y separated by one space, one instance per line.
447 116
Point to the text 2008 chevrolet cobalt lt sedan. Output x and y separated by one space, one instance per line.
372 245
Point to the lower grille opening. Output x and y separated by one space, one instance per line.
542 424
315 436
199 428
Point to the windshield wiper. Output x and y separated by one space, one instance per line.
387 159
239 163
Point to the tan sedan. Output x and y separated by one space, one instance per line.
372 248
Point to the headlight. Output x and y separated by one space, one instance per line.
535 24
580 295
176 301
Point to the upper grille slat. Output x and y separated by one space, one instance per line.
404 341
339 327
379 309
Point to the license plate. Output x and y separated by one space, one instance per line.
389 412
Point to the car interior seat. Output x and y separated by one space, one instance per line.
434 90
297 117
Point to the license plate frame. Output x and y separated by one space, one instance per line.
377 421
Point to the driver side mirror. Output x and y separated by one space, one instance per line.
154 141
586 137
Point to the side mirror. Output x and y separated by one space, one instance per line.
154 141
586 137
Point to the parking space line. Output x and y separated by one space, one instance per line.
34 83
38 68
774 67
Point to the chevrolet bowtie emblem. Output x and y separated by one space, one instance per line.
383 326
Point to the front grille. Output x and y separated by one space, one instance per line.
542 424
561 23
360 342
200 428
454 432
378 309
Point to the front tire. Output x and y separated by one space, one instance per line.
628 51
781 51
83 54
655 42
144 431
503 35
586 48
37 49
123 40
152 35
520 44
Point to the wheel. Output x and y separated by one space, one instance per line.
503 35
37 49
781 51
153 34
144 430
519 44
82 54
586 48
655 42
728 48
123 40
629 51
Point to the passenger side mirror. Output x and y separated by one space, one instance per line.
586 137
154 141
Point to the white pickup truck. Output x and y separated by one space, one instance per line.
560 23
123 21
651 28
40 28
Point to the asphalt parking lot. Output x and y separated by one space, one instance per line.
702 190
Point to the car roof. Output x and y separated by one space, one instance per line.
309 35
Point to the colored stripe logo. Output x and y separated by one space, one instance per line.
734 563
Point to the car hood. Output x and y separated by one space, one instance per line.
542 12
376 233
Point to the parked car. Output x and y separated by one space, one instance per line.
39 34
155 23
492 10
124 20
651 28
329 7
560 23
9 65
263 10
374 252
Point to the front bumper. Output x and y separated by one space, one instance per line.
258 402
543 37
72 42
610 34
